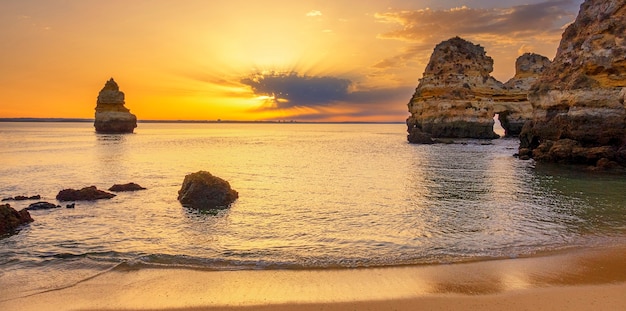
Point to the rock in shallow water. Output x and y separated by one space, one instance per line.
85 194
111 115
10 219
458 98
579 109
126 187
22 198
202 190
41 206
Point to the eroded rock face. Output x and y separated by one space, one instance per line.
201 190
111 115
10 219
579 113
528 68
457 97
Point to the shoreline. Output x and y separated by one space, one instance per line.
575 280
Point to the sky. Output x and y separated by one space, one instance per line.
308 60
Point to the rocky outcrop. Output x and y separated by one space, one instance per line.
457 97
22 198
528 68
10 219
111 115
85 194
201 190
579 112
126 187
42 206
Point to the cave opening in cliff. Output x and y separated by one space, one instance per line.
497 125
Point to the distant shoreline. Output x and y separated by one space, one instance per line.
71 120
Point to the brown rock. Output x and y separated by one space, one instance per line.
126 187
458 98
201 190
111 115
580 96
10 219
41 205
85 194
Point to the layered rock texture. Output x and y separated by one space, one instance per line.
579 113
111 115
457 97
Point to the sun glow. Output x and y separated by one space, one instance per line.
187 60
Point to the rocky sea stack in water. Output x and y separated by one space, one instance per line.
457 97
201 190
579 113
111 115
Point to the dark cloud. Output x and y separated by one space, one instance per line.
517 21
373 104
293 90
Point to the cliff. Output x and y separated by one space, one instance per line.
111 114
579 112
457 97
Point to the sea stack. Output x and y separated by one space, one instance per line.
111 115
579 113
457 97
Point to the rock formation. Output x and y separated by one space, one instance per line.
126 187
41 206
202 190
458 98
579 113
22 198
528 68
10 219
111 115
85 194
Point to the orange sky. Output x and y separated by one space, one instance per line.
251 60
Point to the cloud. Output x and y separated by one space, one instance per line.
314 13
319 98
500 30
544 18
289 89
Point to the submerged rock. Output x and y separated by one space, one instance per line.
579 109
85 194
10 219
111 115
126 187
42 205
22 198
457 97
202 190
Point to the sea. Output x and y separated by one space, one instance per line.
311 196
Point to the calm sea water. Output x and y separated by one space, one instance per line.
311 196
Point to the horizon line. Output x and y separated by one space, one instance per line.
85 120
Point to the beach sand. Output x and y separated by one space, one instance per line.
592 279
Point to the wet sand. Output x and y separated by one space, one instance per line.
576 280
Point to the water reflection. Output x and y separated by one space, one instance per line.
479 197
112 156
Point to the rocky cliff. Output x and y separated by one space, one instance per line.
457 97
111 115
579 113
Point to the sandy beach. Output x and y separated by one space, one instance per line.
577 280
